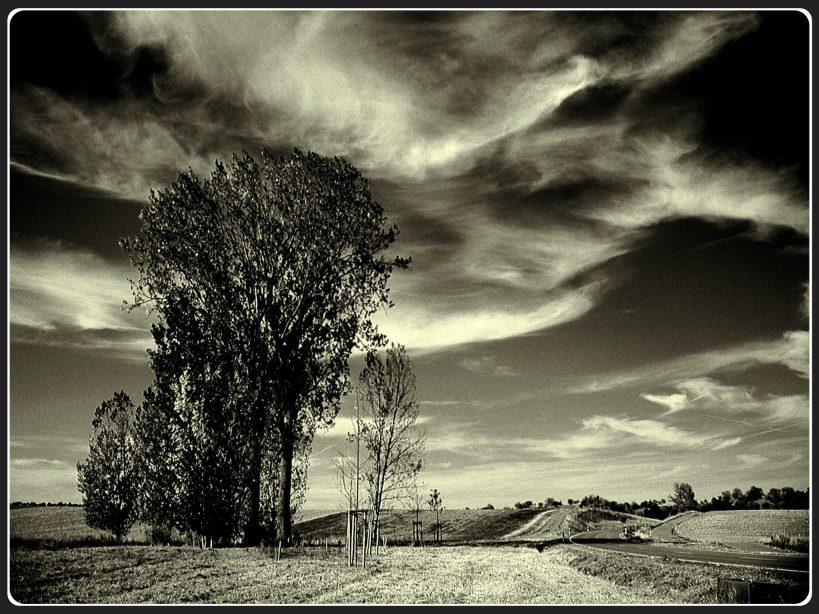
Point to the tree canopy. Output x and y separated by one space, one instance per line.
107 479
263 278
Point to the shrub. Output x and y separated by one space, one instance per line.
159 535
787 542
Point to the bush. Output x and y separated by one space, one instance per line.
786 542
159 535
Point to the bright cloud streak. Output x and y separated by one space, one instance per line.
790 350
603 434
72 297
707 394
674 402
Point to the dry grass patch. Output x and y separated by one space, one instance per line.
463 574
680 582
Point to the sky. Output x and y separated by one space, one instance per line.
607 214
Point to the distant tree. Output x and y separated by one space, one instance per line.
774 498
653 509
488 506
436 504
683 497
794 499
737 498
594 501
522 505
390 437
751 497
788 495
107 479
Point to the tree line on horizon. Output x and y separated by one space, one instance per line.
682 499
261 280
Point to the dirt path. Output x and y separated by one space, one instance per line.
543 526
532 526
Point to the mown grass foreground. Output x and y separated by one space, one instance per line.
462 574
56 558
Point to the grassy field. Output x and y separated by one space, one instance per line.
756 526
462 574
56 526
51 562
679 581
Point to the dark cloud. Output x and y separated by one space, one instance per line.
566 201
774 379
749 99
418 229
46 208
595 103
59 50
514 192
690 285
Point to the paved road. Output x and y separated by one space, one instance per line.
665 532
604 541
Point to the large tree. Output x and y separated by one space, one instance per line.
281 262
107 479
388 428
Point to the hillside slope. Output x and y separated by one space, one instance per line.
456 525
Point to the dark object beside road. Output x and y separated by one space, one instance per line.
742 591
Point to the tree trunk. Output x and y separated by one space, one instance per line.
284 520
253 532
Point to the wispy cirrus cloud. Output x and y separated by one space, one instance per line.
418 327
752 460
487 365
605 434
72 298
790 350
705 394
473 133
728 443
